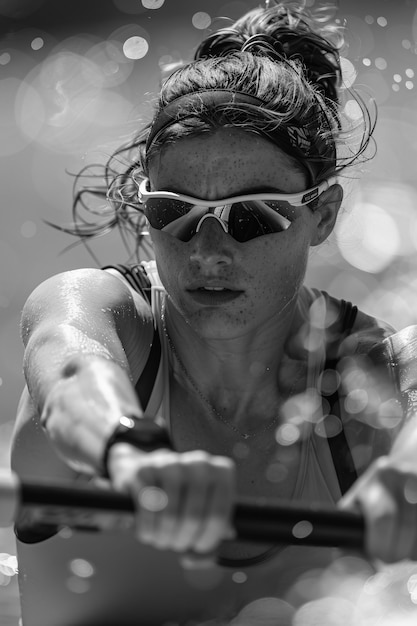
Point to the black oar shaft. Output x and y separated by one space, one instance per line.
260 520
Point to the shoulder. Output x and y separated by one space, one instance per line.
354 330
98 304
369 401
81 291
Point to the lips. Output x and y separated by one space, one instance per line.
213 294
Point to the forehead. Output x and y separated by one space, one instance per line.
225 162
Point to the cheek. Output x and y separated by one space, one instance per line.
280 253
278 265
167 256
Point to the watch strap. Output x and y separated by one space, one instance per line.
142 432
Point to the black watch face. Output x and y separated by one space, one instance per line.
143 432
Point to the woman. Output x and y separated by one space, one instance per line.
239 175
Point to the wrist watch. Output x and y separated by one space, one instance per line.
142 432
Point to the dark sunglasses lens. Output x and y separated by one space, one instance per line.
162 211
248 220
175 217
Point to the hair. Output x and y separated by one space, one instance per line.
285 55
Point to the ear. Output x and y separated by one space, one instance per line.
326 213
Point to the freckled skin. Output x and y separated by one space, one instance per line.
268 269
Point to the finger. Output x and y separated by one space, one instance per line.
149 501
217 524
405 545
380 509
198 561
195 506
173 483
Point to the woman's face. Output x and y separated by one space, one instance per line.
222 287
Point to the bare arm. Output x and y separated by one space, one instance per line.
86 337
387 491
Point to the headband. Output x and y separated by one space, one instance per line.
300 142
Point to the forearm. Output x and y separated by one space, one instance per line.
54 354
80 385
83 407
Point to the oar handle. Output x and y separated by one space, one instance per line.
9 498
56 504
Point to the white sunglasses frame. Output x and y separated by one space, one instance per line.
295 199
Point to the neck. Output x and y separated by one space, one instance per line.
239 377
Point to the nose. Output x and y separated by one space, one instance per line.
211 247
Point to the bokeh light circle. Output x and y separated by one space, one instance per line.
135 47
349 72
65 101
379 241
153 4
113 67
81 568
302 529
239 577
29 110
353 110
37 43
381 63
28 229
287 434
201 20
153 499
13 137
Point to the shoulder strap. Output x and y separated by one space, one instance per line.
339 447
137 278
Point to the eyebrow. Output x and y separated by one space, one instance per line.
245 191
266 189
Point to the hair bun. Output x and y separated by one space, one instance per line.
285 32
265 44
220 43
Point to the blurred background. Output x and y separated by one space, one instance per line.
75 78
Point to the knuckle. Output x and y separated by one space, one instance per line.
224 463
164 458
196 457
206 543
381 466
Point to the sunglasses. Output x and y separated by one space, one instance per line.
243 217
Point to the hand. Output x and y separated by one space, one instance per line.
387 496
184 500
